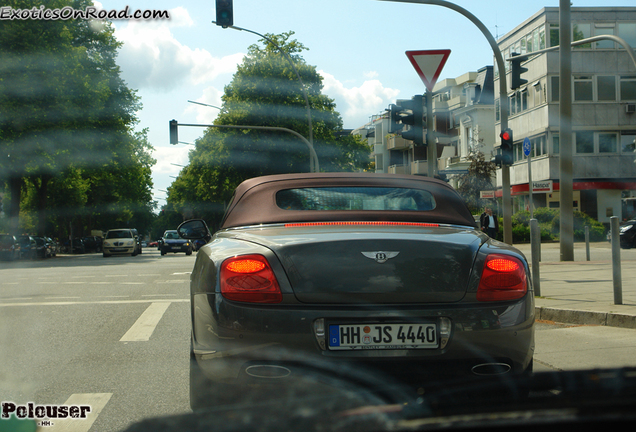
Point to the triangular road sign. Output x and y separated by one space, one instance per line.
428 64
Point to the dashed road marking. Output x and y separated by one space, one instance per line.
145 325
97 402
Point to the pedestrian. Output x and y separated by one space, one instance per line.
489 223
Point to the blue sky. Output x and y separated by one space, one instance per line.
357 45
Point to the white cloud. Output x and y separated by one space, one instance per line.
166 156
356 104
151 57
370 74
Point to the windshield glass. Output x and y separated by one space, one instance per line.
118 234
396 216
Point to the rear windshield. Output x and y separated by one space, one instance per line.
355 198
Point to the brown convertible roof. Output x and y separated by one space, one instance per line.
254 201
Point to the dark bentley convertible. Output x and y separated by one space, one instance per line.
350 272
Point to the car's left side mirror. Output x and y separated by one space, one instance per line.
194 229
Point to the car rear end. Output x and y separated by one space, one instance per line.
416 300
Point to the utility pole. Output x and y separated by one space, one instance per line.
566 236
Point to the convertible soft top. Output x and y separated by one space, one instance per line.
258 200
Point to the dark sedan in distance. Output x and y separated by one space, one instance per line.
349 272
172 242
627 233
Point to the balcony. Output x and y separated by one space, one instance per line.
396 142
398 169
378 149
419 167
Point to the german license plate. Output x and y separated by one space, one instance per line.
383 336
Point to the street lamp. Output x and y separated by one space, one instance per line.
204 104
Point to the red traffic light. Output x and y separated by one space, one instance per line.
505 135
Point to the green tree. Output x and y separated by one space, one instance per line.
478 178
265 91
66 112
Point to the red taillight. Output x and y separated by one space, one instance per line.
249 278
503 278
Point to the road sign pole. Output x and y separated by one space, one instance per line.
527 150
431 151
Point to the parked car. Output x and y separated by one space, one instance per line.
92 244
27 247
79 247
172 242
119 242
385 271
628 234
42 248
54 246
9 247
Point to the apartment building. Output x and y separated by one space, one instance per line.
603 111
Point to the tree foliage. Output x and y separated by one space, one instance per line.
478 178
69 151
265 91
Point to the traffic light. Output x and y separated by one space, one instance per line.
516 71
174 132
506 147
224 13
395 119
415 120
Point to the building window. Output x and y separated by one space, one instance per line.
628 88
584 142
604 29
524 99
583 89
555 144
554 88
554 35
607 143
581 31
627 142
627 31
529 42
541 39
606 88
497 110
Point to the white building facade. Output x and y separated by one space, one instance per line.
603 111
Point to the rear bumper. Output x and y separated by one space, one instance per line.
232 340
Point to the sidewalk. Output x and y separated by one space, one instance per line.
581 291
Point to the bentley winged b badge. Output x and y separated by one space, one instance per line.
380 256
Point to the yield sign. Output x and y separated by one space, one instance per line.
428 64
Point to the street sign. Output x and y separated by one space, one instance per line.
527 146
486 194
542 186
428 64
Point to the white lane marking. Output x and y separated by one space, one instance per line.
82 277
97 402
10 283
92 302
60 298
181 273
114 296
133 283
144 326
114 275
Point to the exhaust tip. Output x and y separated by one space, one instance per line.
488 369
268 371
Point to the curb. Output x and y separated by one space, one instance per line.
572 316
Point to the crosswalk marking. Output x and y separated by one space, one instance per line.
97 402
145 325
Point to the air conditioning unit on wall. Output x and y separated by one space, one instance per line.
630 108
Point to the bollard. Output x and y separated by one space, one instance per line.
587 242
616 261
535 248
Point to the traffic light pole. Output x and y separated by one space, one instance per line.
312 153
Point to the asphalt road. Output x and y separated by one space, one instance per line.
114 334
